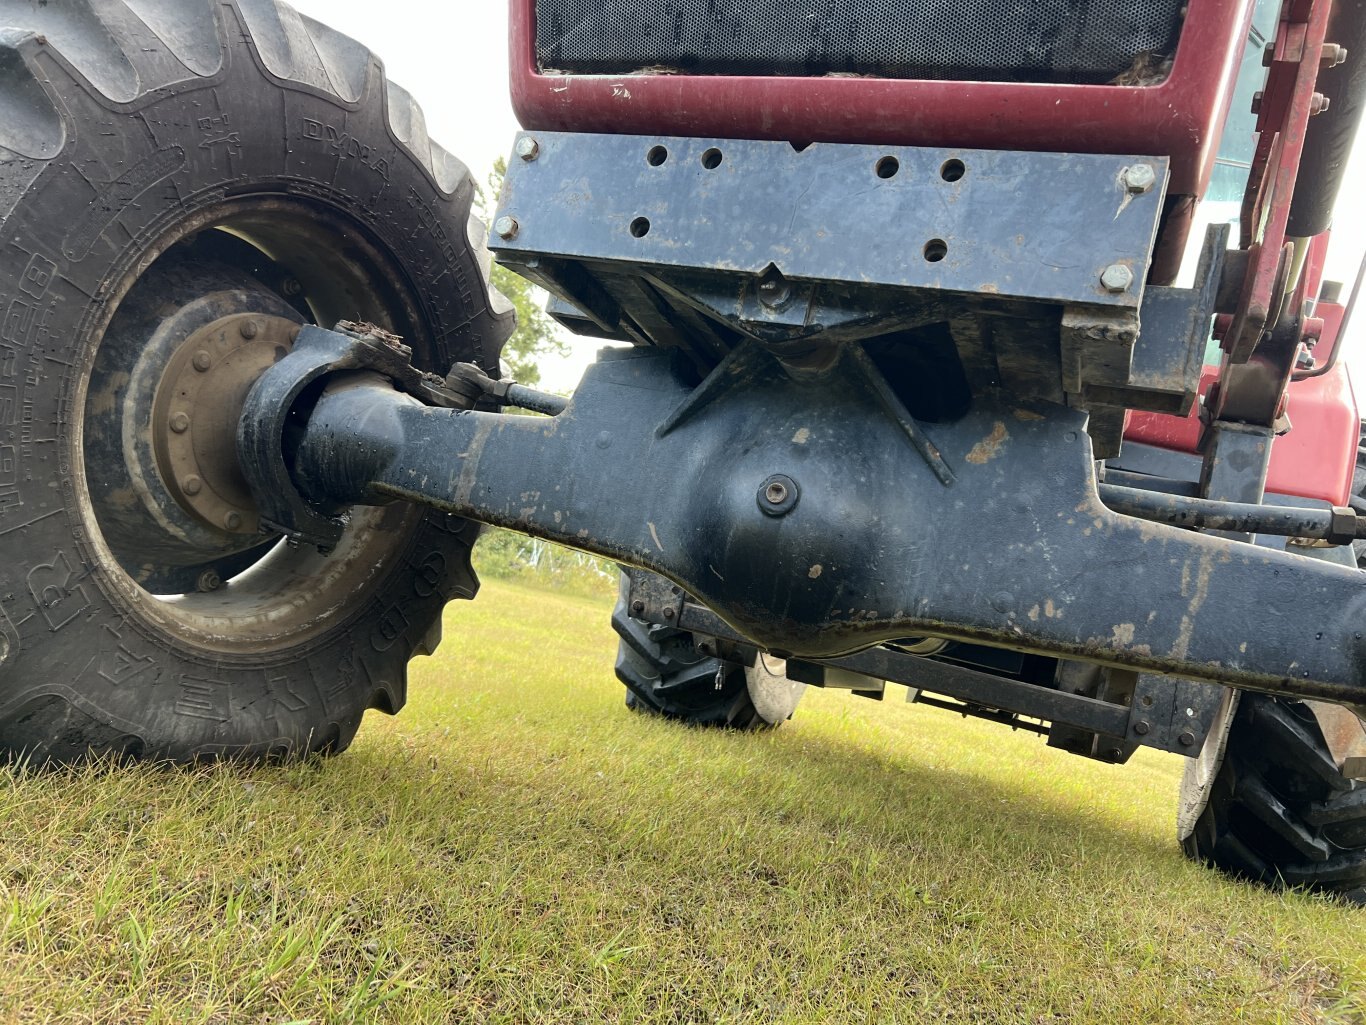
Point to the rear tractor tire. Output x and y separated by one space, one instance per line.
665 674
1275 809
181 186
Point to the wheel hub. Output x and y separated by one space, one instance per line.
196 409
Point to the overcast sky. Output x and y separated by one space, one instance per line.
453 58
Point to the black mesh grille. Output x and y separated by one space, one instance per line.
1080 41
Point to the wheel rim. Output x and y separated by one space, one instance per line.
199 573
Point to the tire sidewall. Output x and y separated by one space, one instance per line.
82 665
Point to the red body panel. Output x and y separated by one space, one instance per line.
1315 459
1181 118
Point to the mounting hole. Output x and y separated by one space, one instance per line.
711 159
640 227
887 167
935 250
953 170
656 156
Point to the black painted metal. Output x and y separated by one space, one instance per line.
1336 526
271 416
1160 712
988 690
1019 551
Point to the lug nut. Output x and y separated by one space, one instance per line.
249 329
209 581
507 227
180 422
1139 178
1116 278
528 148
192 485
202 361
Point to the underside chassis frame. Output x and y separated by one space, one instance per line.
797 495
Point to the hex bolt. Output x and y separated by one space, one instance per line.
209 581
637 607
507 227
1333 54
528 148
232 520
1318 104
1187 739
202 361
180 422
1139 178
1116 278
192 485
1257 102
249 329
1142 727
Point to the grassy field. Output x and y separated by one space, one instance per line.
516 847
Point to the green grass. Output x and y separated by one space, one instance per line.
516 847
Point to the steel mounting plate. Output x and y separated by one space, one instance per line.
1042 226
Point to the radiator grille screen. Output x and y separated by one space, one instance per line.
1077 41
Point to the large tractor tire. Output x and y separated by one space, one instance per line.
182 184
1275 809
665 674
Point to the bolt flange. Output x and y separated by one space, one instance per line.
210 374
778 495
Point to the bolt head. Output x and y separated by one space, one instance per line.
1187 739
202 361
232 520
180 422
1142 727
209 581
507 227
1139 178
192 485
249 329
776 493
1116 278
528 148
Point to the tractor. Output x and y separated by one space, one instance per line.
929 359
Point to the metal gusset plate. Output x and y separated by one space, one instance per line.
1065 228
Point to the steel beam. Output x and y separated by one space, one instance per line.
865 543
